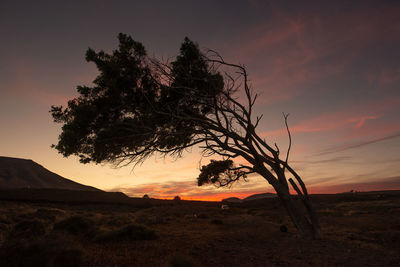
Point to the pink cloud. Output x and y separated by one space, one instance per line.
322 123
25 82
341 148
290 51
383 77
352 120
374 184
360 121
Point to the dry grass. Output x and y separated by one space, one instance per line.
357 232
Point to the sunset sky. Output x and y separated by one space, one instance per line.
335 67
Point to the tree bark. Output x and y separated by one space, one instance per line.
308 227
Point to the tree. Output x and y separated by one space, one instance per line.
140 106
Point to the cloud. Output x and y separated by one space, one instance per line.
366 119
358 144
292 51
324 161
389 76
27 82
190 191
326 122
383 76
376 184
360 121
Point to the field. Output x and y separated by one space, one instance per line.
359 230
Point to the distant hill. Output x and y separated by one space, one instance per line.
63 195
259 196
249 198
18 173
232 200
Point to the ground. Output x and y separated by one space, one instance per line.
359 230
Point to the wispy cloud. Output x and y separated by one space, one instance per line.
376 183
292 51
360 121
357 144
383 76
364 119
324 161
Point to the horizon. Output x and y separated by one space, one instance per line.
216 197
335 67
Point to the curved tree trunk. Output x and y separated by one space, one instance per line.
305 220
308 226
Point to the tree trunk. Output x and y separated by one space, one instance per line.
308 227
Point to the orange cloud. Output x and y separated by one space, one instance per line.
190 191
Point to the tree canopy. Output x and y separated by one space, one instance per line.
127 113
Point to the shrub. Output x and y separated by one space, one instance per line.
47 214
283 228
27 229
181 260
4 219
203 216
217 221
44 251
128 232
150 220
115 221
76 225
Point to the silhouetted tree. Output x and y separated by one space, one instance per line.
140 106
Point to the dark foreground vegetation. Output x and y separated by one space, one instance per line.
359 230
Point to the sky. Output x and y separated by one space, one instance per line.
333 65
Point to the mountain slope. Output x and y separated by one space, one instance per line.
22 173
260 196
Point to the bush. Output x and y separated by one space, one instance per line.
44 251
129 232
4 220
76 225
203 216
181 260
150 220
27 229
46 214
217 222
115 221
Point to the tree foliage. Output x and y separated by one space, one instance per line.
126 114
139 106
220 173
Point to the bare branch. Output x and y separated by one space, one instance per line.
289 135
